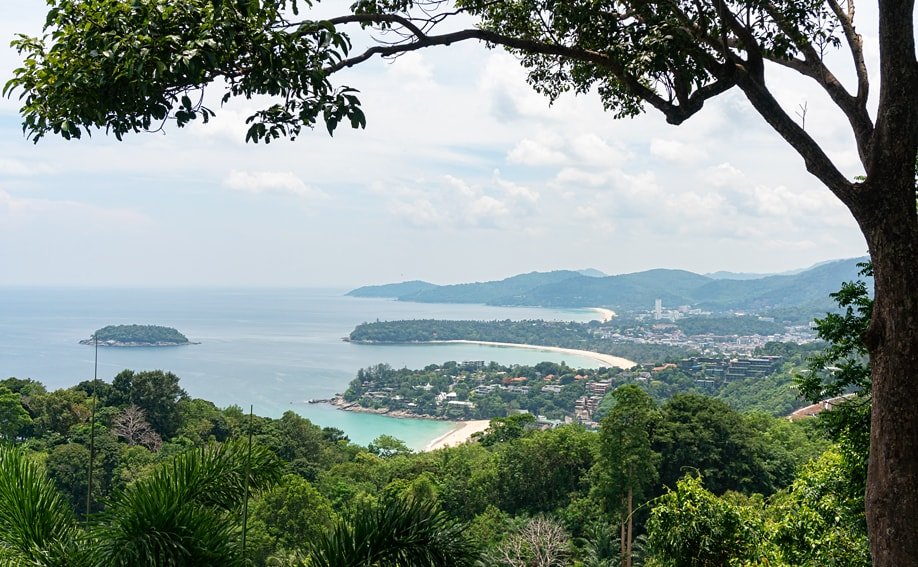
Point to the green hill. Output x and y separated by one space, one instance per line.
808 289
137 335
392 290
500 292
629 291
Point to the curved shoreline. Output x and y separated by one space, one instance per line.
340 403
605 315
459 434
132 344
608 359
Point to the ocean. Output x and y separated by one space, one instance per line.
271 348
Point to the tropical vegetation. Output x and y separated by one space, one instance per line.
145 62
136 472
474 390
138 335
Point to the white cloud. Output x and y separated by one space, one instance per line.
633 193
581 149
518 193
471 206
573 177
486 210
592 150
503 82
20 210
451 202
16 168
594 219
706 206
781 201
412 71
228 126
676 151
269 182
533 152
418 213
722 176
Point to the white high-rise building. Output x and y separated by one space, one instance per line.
658 309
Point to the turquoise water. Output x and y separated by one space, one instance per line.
273 349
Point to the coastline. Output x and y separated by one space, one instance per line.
459 434
340 403
608 359
131 344
462 431
605 315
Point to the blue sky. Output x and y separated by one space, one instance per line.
463 174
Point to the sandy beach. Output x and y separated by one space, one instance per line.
459 434
604 314
606 359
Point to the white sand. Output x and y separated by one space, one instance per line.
461 433
606 359
604 314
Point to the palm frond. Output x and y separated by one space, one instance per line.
185 512
398 532
37 527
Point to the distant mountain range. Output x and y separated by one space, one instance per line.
722 275
809 289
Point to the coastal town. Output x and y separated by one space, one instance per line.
660 326
555 394
736 355
668 333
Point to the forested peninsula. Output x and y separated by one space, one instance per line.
558 393
137 336
645 342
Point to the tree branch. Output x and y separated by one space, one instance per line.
853 107
754 62
855 45
379 19
748 74
675 114
815 159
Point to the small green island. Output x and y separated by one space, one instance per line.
137 336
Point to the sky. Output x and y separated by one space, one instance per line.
462 174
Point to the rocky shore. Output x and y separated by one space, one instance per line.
342 404
114 343
462 431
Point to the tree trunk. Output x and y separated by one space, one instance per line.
622 539
885 209
888 218
628 550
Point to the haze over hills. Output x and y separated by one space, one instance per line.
807 289
493 293
725 275
403 289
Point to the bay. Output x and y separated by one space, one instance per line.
271 348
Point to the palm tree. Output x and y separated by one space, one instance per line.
37 527
186 512
397 532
